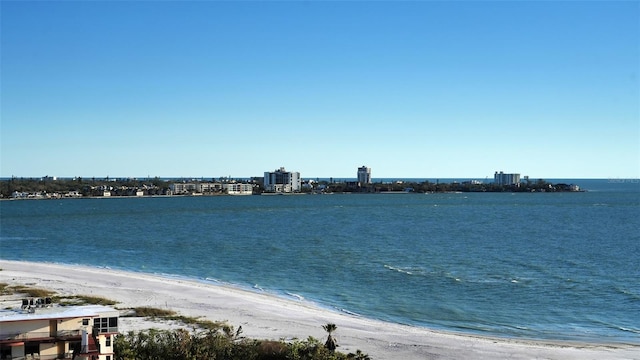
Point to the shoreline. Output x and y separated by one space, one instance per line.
269 316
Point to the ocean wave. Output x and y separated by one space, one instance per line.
629 293
21 238
295 296
349 312
622 328
400 270
618 327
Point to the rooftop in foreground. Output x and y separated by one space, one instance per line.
55 312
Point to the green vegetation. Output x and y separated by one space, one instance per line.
86 187
47 187
28 291
331 343
153 312
200 323
437 187
164 314
208 340
215 344
84 300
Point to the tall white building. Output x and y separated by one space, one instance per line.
282 181
364 175
501 178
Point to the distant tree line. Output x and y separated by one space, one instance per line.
436 187
156 186
85 186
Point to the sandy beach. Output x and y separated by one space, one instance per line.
264 316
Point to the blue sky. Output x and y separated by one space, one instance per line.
420 89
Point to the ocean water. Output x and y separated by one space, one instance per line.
561 266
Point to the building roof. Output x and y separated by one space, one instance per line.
57 312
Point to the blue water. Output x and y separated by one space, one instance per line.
542 265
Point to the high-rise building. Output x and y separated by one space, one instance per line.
500 178
282 181
364 176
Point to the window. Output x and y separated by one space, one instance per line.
108 341
85 322
105 325
32 348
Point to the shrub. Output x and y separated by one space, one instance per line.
153 312
180 344
29 291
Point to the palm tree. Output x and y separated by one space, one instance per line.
359 355
331 343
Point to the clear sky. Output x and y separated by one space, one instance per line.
413 89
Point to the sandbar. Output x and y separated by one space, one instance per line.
266 316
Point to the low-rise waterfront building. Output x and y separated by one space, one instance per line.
182 188
199 188
208 187
41 330
238 189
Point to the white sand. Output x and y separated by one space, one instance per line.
263 316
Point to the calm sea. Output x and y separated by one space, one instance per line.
541 265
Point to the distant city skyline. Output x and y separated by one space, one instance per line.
354 177
415 89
